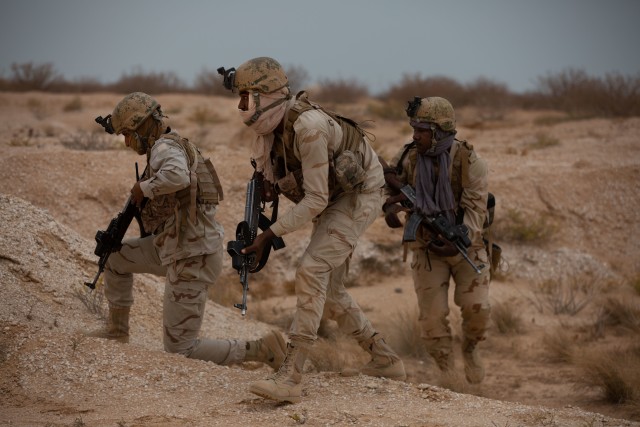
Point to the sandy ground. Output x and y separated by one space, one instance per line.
62 178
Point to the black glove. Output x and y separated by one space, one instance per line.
442 248
391 214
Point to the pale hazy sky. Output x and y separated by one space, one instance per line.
508 41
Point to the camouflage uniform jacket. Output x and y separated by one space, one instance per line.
179 237
470 188
315 135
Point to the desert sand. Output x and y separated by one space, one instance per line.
62 178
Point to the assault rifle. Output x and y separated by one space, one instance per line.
246 233
110 241
458 235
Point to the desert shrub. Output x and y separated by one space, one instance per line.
31 76
558 345
336 355
506 318
404 336
209 82
581 95
412 85
614 371
341 91
90 141
488 94
514 226
389 110
203 116
93 300
635 283
543 140
566 295
617 312
75 104
148 82
298 77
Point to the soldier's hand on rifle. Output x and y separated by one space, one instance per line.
442 247
391 214
137 195
258 245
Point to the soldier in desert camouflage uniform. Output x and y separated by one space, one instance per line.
326 166
448 177
185 244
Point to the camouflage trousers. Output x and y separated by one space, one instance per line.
324 266
185 297
471 293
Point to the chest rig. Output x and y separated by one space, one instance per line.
289 168
204 188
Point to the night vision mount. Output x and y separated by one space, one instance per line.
106 124
413 106
229 77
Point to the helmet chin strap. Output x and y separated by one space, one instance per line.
256 99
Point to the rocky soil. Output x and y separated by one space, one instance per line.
62 178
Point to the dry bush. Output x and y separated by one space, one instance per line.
75 104
543 140
581 95
514 226
388 110
619 313
341 91
298 77
566 295
93 300
209 82
635 283
491 96
337 355
203 116
559 346
31 76
39 109
507 318
614 371
404 334
412 85
149 82
91 141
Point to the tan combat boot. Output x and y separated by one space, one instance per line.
441 350
384 361
284 385
269 349
117 327
473 367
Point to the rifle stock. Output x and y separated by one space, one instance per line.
246 233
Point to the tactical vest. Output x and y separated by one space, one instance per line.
459 181
204 188
289 168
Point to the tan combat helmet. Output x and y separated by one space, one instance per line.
433 110
132 111
263 74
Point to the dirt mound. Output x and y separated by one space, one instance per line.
52 374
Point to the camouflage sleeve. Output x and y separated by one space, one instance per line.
169 170
474 199
311 145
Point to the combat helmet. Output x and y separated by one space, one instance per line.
132 111
263 74
432 110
